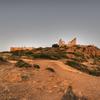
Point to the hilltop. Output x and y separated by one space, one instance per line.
51 73
82 57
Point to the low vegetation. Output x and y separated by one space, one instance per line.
77 55
36 66
41 53
83 68
2 59
22 64
50 69
52 56
55 45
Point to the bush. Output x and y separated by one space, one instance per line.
17 53
22 64
78 54
41 55
40 48
14 57
83 68
79 59
55 45
94 72
36 66
28 53
50 69
78 66
73 64
50 55
2 59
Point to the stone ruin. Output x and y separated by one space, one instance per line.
21 48
62 43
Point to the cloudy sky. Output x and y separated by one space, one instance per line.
42 22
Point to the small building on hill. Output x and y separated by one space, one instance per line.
21 48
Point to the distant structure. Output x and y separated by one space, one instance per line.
21 48
72 42
62 43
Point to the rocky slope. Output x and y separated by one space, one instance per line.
51 73
81 57
42 84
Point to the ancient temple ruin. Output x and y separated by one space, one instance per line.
61 43
70 43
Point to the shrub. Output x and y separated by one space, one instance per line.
94 72
50 69
83 68
52 55
2 59
14 57
17 53
78 66
40 48
28 53
78 54
79 59
25 77
22 64
73 64
55 45
36 66
42 55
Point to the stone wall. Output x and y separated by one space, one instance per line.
20 48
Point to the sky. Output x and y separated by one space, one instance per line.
36 23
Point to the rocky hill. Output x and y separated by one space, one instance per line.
87 51
81 57
57 73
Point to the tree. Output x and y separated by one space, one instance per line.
55 45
